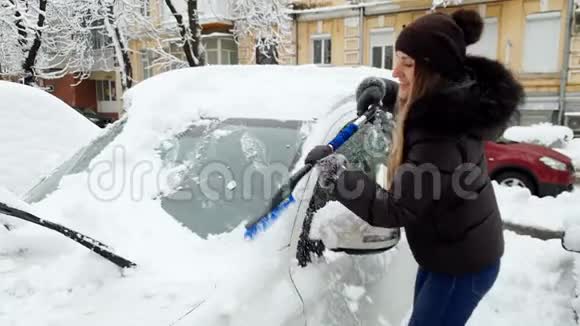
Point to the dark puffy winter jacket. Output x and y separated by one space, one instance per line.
442 194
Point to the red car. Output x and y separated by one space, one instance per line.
544 171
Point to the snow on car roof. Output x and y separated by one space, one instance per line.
264 91
39 131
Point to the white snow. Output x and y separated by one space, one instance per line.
572 150
518 206
535 286
227 91
545 134
353 294
39 131
329 226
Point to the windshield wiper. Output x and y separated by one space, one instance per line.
86 241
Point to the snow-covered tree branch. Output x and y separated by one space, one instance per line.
29 63
266 21
444 3
52 38
190 34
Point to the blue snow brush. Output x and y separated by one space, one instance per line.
283 197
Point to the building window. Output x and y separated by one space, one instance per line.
487 44
322 50
106 90
100 37
382 48
541 43
147 58
146 8
220 51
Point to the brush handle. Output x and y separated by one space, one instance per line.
343 136
352 128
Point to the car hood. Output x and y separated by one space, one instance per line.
535 150
178 276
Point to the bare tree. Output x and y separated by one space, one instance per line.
29 62
190 33
108 9
21 29
42 39
265 21
52 38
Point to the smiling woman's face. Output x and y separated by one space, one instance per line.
404 70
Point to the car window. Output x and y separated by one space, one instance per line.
224 173
79 162
367 151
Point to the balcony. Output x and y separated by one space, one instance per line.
104 59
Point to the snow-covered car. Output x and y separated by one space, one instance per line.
171 187
38 132
542 170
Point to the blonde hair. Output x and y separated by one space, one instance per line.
425 81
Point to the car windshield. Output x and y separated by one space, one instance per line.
221 174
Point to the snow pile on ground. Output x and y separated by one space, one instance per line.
39 132
535 286
545 134
519 207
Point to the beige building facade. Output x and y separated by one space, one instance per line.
528 36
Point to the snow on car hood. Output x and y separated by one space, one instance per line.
39 131
49 279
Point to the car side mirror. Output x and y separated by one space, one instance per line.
571 239
342 231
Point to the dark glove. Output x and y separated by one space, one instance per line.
331 168
370 91
317 153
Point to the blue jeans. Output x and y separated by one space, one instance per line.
448 300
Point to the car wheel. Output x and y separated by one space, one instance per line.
516 179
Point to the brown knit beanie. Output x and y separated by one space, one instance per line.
439 40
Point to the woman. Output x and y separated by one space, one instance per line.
448 105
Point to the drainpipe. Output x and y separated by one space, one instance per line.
296 38
361 33
565 63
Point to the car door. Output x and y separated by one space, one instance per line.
369 287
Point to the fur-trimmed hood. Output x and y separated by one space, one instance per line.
480 106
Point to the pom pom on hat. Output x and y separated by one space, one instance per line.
470 23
